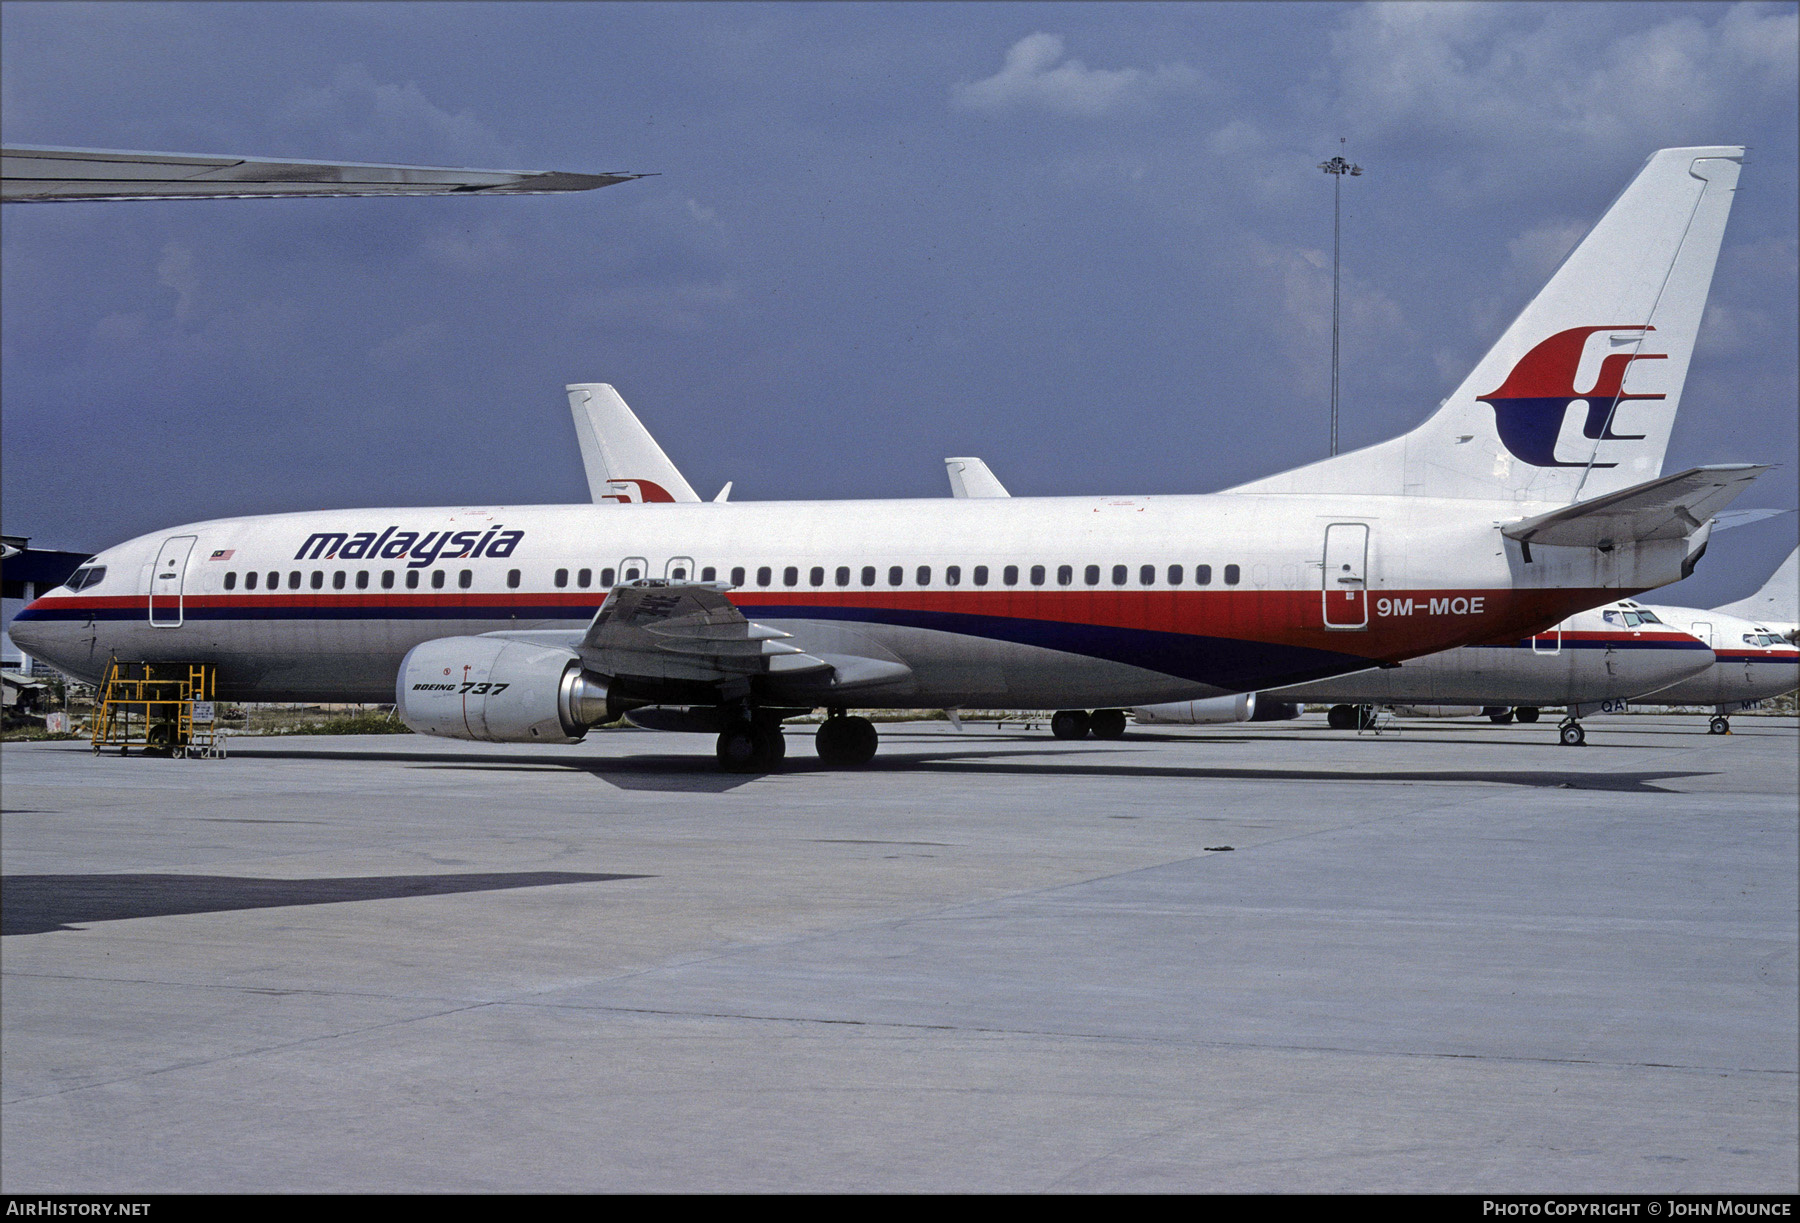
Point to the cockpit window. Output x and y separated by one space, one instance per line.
87 575
1648 617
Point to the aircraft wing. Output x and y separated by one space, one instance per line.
685 631
37 174
1672 507
689 631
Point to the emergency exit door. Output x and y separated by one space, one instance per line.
1345 576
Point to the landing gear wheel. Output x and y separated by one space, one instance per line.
1526 714
1503 718
1572 735
750 747
1341 717
1069 724
1107 723
1720 725
846 742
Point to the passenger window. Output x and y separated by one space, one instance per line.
709 574
1147 575
952 575
512 578
606 578
466 578
678 574
868 575
293 579
1010 575
632 574
981 575
790 576
275 579
737 576
1118 575
1174 575
843 575
437 579
896 575
1203 575
318 579
337 580
561 579
412 579
1092 574
231 581
250 580
362 579
764 575
816 576
1037 575
1231 575
584 578
387 579
1065 575
924 575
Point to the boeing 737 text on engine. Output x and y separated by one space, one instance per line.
1522 500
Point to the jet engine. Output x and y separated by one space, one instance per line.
1244 707
498 691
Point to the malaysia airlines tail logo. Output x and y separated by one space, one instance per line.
1530 405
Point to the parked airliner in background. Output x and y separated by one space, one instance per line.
1593 661
1532 493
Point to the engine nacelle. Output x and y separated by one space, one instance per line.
1239 708
498 691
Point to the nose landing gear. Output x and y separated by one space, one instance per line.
1571 734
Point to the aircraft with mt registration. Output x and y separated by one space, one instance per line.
1533 492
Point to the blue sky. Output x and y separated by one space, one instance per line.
1087 242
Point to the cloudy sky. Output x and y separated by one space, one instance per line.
1089 243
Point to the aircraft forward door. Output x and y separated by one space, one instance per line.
165 581
1346 571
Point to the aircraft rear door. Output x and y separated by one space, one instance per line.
165 581
1345 574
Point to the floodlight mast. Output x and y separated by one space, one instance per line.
1337 167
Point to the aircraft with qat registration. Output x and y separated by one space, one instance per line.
1522 499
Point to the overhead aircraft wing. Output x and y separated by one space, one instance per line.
622 461
970 477
1672 507
39 174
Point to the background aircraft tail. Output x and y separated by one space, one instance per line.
1778 602
1578 397
622 461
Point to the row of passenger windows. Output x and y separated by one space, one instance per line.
869 575
981 575
360 579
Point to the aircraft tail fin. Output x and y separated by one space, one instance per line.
1578 397
970 477
1778 602
622 461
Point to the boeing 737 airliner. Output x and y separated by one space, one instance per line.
1532 493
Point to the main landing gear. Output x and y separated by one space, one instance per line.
1079 724
752 745
1350 717
846 742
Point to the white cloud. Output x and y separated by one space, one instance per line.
360 118
1036 76
1523 74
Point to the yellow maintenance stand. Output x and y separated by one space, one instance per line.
163 709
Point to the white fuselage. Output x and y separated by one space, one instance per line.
1023 602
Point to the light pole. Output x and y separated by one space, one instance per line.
1337 167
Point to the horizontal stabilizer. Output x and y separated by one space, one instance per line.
1671 507
37 174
